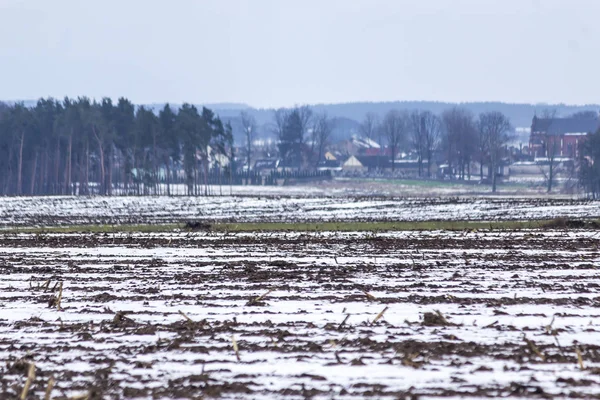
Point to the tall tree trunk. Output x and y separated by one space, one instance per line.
428 164
69 165
102 169
481 169
47 170
494 173
195 178
155 165
20 165
220 183
551 154
249 148
44 175
110 170
81 174
231 172
205 163
126 169
87 168
551 174
134 164
56 188
168 168
124 173
33 170
77 173
321 151
8 182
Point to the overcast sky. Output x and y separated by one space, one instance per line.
284 52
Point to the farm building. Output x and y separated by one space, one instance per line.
562 134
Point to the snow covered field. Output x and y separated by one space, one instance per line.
344 315
51 211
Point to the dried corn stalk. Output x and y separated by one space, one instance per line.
30 379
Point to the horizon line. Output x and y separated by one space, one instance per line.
241 105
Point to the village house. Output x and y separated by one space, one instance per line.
358 146
564 135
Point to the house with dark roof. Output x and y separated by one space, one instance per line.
563 135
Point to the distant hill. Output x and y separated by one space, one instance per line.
519 114
349 115
230 107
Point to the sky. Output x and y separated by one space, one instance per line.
271 53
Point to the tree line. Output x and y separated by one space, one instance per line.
82 146
460 138
302 136
456 134
589 171
519 114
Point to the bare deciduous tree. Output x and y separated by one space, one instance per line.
322 128
279 117
459 139
395 128
369 126
495 127
483 151
550 148
249 128
433 133
417 130
426 129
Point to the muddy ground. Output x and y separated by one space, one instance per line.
55 211
330 315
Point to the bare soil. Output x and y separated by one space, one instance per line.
465 314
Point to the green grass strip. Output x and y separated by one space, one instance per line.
316 226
